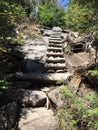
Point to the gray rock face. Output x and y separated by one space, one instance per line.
8 115
28 98
56 96
33 67
37 119
57 29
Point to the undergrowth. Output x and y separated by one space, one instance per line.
78 113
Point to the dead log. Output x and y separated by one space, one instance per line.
45 77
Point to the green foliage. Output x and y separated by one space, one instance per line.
81 16
60 82
93 73
66 93
50 15
9 15
81 113
3 86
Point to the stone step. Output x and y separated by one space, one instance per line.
55 54
55 60
54 49
55 45
55 66
45 77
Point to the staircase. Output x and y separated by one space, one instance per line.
55 62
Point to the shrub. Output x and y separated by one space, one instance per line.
9 15
81 16
81 113
50 15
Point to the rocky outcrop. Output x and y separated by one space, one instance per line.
37 119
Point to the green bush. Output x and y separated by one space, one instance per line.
93 73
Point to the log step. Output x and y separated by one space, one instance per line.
55 38
54 49
54 54
55 45
55 60
57 71
55 66
56 41
46 77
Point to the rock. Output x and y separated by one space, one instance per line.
37 119
41 30
47 32
57 29
28 98
74 34
57 35
76 60
56 96
8 115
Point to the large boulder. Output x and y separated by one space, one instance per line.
8 116
29 98
57 29
37 119
56 96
